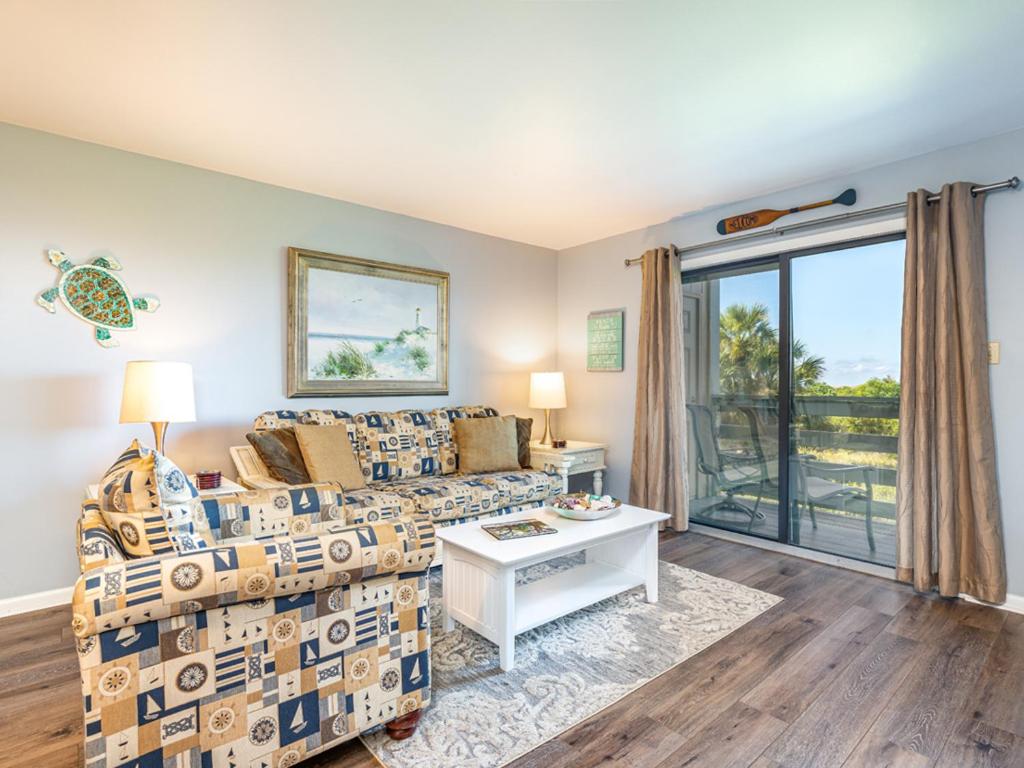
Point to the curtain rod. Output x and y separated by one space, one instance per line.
1011 183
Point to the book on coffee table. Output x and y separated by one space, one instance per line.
520 529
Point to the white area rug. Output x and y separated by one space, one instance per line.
566 671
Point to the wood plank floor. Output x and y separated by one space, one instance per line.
848 670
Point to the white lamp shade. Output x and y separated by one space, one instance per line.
157 391
547 390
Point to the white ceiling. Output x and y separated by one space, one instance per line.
552 123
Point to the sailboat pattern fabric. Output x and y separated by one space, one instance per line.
455 497
254 652
368 505
297 509
391 445
151 506
410 459
97 546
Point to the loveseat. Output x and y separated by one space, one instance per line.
410 462
284 632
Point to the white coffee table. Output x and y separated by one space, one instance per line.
479 577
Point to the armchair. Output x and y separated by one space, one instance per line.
259 650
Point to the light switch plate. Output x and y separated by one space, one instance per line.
993 353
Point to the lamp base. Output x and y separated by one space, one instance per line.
549 437
159 433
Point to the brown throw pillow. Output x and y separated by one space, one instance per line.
487 445
328 454
524 430
279 451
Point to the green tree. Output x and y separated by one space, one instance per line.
886 387
749 354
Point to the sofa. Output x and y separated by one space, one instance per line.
410 461
285 631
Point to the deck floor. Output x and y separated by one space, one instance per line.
836 534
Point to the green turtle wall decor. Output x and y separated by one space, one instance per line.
93 293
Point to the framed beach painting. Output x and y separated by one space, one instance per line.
359 327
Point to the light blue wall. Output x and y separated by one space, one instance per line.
592 277
213 248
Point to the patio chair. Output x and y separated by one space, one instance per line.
764 440
729 472
815 488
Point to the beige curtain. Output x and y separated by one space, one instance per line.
658 474
948 532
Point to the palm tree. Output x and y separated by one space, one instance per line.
749 354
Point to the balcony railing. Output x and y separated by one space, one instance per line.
822 406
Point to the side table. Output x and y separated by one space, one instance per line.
576 458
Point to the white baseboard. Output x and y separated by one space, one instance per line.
10 606
1013 604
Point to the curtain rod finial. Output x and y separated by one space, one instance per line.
1014 182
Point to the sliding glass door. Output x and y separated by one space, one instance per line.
731 340
846 309
797 356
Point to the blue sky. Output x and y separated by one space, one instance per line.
348 303
847 307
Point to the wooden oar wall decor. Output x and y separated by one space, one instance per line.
766 216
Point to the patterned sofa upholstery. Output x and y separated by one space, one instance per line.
410 461
294 633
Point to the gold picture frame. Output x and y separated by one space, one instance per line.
361 342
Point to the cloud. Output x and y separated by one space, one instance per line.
864 366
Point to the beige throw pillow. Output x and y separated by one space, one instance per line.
328 454
487 445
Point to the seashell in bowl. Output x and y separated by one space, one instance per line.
585 506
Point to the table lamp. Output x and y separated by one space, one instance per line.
547 391
158 392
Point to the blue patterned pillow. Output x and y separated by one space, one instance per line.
181 507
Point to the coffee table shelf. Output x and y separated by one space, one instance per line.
559 595
479 572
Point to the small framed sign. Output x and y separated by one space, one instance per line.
605 339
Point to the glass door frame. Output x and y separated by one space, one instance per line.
783 260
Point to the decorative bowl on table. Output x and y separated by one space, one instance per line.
584 506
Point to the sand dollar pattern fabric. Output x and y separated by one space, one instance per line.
451 497
402 454
275 420
140 589
130 504
181 507
419 453
296 510
429 435
524 485
182 666
386 453
97 546
469 496
368 505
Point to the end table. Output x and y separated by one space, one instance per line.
576 458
